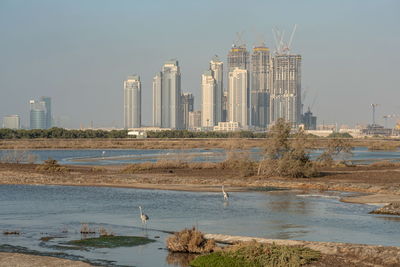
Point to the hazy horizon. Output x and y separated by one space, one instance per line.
79 52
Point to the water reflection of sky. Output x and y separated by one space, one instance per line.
125 156
317 216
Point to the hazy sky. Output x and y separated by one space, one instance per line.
79 52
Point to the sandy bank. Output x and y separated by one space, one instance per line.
26 260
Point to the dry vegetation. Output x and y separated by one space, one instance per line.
51 165
190 241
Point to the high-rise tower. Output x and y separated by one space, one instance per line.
167 97
208 99
49 118
238 92
260 86
286 88
285 97
238 97
216 66
37 114
157 81
132 102
187 102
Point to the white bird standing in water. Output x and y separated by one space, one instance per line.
143 217
226 195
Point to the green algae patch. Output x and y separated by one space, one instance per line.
111 241
258 255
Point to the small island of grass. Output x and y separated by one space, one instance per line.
111 241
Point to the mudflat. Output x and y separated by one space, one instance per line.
26 260
381 184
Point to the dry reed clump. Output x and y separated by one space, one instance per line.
190 241
51 165
85 229
239 161
104 232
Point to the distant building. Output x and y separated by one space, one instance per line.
309 121
216 66
195 120
132 102
167 97
260 86
238 97
11 122
375 129
208 99
49 117
285 97
228 126
38 116
187 102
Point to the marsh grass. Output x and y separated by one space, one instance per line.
110 241
258 255
238 161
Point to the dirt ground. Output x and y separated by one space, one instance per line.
25 260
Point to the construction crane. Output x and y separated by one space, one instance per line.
281 46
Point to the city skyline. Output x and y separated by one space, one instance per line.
80 60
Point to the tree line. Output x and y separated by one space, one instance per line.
62 133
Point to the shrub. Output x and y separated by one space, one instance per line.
190 241
239 161
51 165
285 157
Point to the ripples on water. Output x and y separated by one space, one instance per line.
49 210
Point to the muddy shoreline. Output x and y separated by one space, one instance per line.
378 185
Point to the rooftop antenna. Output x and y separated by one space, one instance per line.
373 113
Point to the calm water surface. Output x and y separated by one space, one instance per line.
49 210
127 156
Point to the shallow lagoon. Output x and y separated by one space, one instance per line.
361 155
40 211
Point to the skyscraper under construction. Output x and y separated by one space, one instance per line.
238 96
260 86
286 88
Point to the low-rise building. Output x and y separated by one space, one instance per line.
228 126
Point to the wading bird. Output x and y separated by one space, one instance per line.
143 217
226 195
